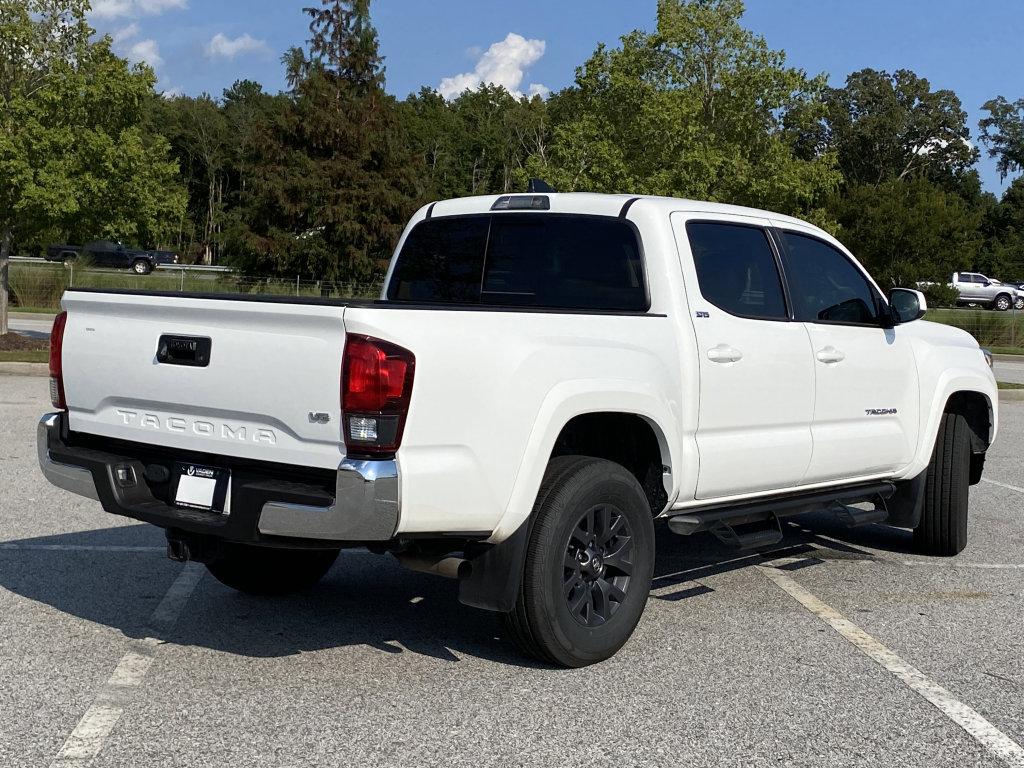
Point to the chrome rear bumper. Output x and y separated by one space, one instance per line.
366 504
366 507
74 479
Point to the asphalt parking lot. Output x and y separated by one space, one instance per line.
112 655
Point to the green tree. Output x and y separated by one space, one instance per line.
894 126
337 179
910 230
74 157
1003 133
201 139
478 143
701 108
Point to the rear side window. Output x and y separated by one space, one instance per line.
736 269
530 260
825 285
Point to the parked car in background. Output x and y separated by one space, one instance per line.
113 253
976 288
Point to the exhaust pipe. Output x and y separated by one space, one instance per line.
447 566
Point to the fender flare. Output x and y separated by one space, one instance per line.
566 401
497 567
951 381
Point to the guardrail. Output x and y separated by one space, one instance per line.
173 267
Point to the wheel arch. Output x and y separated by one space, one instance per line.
963 391
574 411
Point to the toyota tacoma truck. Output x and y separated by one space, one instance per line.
544 377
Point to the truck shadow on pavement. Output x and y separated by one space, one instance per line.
117 576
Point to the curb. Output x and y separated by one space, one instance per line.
25 369
32 316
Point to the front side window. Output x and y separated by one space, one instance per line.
736 269
825 285
529 260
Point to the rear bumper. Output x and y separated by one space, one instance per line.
268 502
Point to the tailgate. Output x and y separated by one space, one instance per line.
269 390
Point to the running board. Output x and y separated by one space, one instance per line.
689 523
749 539
852 517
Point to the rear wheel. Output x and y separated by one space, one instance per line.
271 570
943 527
141 267
589 563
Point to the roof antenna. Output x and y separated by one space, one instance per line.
540 186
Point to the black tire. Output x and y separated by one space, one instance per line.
1002 303
615 580
943 528
270 570
141 267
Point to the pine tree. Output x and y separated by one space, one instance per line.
338 161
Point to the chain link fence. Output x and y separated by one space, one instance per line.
40 286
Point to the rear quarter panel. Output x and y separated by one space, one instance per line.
494 388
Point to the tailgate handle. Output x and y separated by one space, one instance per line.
184 350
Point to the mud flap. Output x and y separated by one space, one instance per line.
906 504
496 573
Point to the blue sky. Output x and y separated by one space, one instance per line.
974 48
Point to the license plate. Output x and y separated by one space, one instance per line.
202 487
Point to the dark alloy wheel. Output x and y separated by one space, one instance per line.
598 565
589 563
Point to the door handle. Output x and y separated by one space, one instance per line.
830 355
723 353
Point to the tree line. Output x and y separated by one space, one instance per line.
318 180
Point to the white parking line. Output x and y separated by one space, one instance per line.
86 741
986 734
983 566
1016 488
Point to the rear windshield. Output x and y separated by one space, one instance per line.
532 260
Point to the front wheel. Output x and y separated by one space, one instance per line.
1018 303
1002 302
270 570
589 563
943 527
142 267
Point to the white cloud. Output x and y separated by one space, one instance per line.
125 34
224 47
145 50
113 9
536 89
504 63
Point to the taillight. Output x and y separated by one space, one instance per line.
376 384
57 363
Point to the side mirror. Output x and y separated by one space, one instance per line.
907 305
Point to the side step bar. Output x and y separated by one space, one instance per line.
721 521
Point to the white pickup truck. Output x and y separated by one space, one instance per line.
544 376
